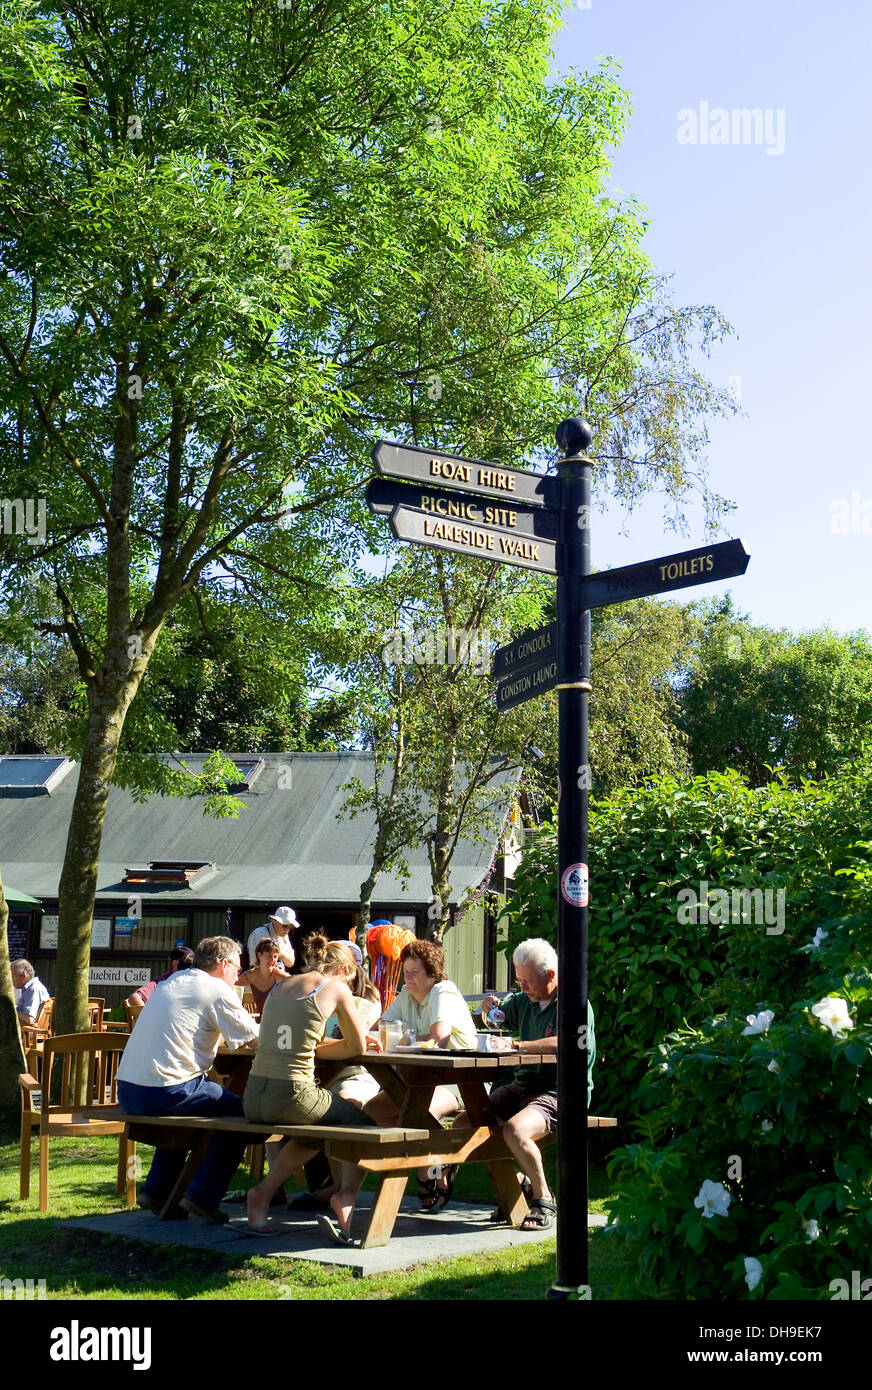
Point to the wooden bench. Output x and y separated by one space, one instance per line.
367 1145
392 1153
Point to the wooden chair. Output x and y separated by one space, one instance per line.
96 1009
132 1011
248 1003
33 1036
80 1068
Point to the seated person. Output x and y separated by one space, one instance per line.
180 958
262 976
527 1107
353 1083
281 1087
30 992
432 1007
163 1072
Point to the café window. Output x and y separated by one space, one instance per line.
155 935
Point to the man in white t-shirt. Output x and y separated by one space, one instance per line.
163 1072
279 928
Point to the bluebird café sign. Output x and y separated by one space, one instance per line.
471 507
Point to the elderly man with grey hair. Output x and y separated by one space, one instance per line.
527 1107
30 992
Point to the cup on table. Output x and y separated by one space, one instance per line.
391 1034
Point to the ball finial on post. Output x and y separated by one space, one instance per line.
573 437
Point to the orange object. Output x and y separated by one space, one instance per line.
384 946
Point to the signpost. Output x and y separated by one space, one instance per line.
544 524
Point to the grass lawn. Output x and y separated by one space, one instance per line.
79 1265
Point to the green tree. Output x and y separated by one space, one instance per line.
753 698
235 240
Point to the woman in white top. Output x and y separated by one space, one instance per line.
433 1006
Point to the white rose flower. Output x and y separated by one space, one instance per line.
758 1023
833 1014
773 1066
713 1198
819 936
766 1126
812 1229
753 1271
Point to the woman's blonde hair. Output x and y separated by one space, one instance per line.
328 957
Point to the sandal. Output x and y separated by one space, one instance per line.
334 1230
540 1217
437 1193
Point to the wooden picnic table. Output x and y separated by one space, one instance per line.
410 1080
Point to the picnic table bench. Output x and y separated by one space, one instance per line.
416 1141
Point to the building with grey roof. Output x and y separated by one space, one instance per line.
170 873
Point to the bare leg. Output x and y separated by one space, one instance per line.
350 1181
520 1134
290 1157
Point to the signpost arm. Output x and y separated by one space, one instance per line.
573 638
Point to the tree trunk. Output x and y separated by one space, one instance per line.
441 848
380 850
11 1052
78 883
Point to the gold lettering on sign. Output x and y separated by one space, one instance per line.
460 535
494 477
500 516
444 506
684 569
450 468
525 550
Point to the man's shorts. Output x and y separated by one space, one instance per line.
508 1101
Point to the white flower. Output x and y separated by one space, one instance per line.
773 1066
833 1014
758 1023
753 1271
766 1126
713 1198
819 936
812 1229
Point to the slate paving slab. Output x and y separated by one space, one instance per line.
463 1228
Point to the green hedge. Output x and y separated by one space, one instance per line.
651 973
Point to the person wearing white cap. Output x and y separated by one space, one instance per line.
279 928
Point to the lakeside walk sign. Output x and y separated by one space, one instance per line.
557 654
487 542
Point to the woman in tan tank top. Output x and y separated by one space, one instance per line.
281 1087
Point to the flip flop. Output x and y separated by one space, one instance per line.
334 1230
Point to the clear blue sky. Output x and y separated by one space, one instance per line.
782 245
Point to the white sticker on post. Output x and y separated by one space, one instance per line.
573 885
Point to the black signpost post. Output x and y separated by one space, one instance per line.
475 508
